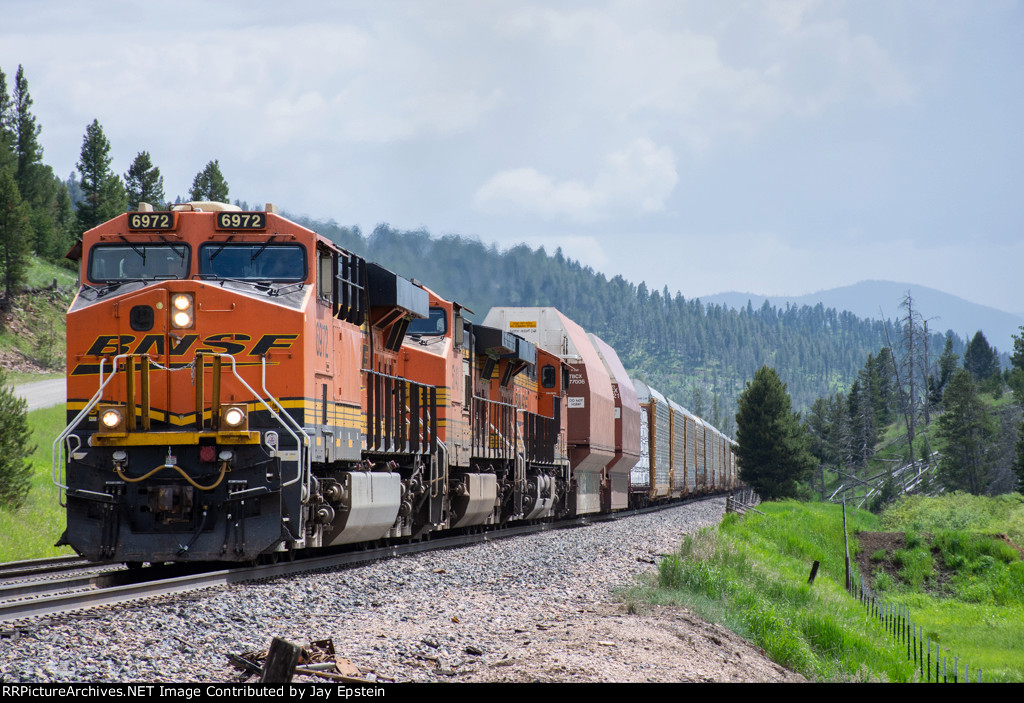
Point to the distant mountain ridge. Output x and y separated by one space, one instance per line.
878 300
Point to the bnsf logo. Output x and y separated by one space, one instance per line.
224 343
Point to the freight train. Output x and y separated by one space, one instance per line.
240 389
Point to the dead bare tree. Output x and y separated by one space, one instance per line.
913 350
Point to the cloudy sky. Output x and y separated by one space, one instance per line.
772 146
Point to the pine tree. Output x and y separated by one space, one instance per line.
947 364
144 183
7 157
14 234
29 172
966 429
63 221
103 195
772 447
1017 357
15 469
980 359
74 187
1016 381
209 184
862 422
821 433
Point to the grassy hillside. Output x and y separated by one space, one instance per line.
31 348
751 575
31 531
32 329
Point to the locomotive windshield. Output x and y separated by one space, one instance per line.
254 261
132 262
435 324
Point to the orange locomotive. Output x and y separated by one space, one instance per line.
218 404
503 438
240 388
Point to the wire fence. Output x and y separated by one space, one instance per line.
932 662
901 627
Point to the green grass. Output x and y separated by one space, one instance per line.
15 378
41 274
751 576
984 636
959 511
977 613
31 531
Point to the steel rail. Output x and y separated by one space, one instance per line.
48 603
46 565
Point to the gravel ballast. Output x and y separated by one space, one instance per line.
534 608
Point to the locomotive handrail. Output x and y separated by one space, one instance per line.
422 431
58 458
305 464
387 397
57 451
506 435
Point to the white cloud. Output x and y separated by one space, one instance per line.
635 180
747 68
639 177
528 191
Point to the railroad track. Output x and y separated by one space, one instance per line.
73 592
35 567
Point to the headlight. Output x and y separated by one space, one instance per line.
111 418
233 417
182 309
